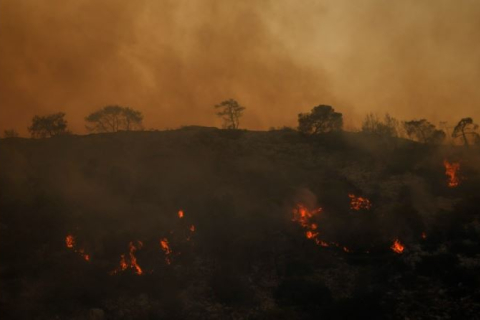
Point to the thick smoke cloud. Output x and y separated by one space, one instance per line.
174 60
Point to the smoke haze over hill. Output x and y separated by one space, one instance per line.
174 60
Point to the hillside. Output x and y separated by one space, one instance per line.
219 224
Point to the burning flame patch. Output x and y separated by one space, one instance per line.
166 250
71 244
358 203
397 246
451 171
131 261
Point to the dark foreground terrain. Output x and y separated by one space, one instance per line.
201 223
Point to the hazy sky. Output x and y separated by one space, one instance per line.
174 59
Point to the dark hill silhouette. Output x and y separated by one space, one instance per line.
241 245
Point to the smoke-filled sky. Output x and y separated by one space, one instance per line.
174 59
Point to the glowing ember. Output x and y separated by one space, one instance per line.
71 244
192 228
357 203
451 171
424 235
131 262
346 249
180 214
166 249
397 246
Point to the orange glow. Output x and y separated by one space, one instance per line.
180 214
166 249
451 171
357 203
424 235
397 246
192 228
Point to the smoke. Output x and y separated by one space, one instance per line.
174 60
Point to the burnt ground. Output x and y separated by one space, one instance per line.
245 257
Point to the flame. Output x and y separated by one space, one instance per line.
303 217
166 249
70 241
131 262
357 203
192 228
180 214
123 263
71 244
397 246
451 171
133 259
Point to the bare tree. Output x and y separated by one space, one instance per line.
48 126
11 133
231 112
321 119
465 127
388 127
113 119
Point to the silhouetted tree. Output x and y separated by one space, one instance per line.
48 126
231 112
465 127
423 131
113 119
321 119
10 133
372 124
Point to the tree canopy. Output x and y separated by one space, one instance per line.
48 126
231 112
388 127
321 119
423 131
113 119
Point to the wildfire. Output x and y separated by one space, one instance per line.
166 249
180 214
71 244
451 171
131 262
397 246
357 203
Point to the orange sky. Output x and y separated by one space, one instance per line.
174 59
